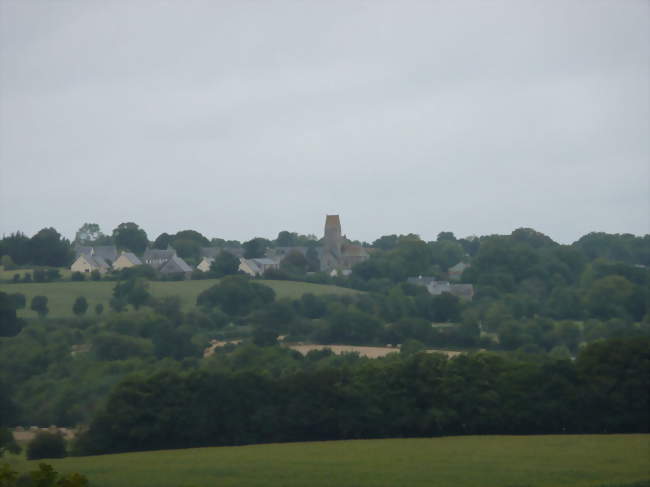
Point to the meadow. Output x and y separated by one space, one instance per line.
62 294
470 461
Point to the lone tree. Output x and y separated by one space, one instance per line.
80 306
39 304
99 309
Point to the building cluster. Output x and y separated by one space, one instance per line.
335 256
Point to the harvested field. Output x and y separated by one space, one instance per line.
370 352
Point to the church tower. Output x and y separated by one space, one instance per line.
332 242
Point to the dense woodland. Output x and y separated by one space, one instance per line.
563 327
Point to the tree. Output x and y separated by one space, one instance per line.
132 291
8 443
294 263
46 445
163 241
80 306
224 264
255 248
39 304
10 324
99 309
236 295
131 237
88 234
95 275
48 248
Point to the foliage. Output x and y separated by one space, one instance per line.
46 445
131 237
80 306
45 476
10 324
7 263
224 264
77 276
236 295
89 234
255 247
39 304
8 443
410 395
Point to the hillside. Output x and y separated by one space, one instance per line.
470 461
61 294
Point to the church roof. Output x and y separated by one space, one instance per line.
332 220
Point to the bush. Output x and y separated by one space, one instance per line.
46 445
19 300
16 278
27 277
77 276
96 275
39 304
80 306
99 309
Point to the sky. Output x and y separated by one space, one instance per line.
241 119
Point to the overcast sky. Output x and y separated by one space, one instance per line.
241 119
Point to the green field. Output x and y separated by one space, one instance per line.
471 461
61 294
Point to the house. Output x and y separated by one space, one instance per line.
257 267
106 252
455 272
125 260
175 265
166 261
87 263
204 265
436 288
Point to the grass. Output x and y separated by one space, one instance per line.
61 294
478 461
8 275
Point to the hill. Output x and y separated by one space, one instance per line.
470 461
61 294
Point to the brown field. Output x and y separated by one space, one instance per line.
370 352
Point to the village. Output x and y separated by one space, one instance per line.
336 256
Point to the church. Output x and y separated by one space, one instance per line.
338 253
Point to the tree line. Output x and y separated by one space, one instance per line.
604 391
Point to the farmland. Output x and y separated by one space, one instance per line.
485 461
61 294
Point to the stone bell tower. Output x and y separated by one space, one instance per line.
332 242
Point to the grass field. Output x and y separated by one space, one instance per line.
61 294
486 461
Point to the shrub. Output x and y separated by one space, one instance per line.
39 304
96 275
77 276
46 445
80 306
27 277
99 309
16 278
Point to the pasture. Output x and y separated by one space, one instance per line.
61 294
470 461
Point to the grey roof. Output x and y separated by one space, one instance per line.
158 254
236 251
106 252
132 258
287 250
173 265
95 260
82 250
264 261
